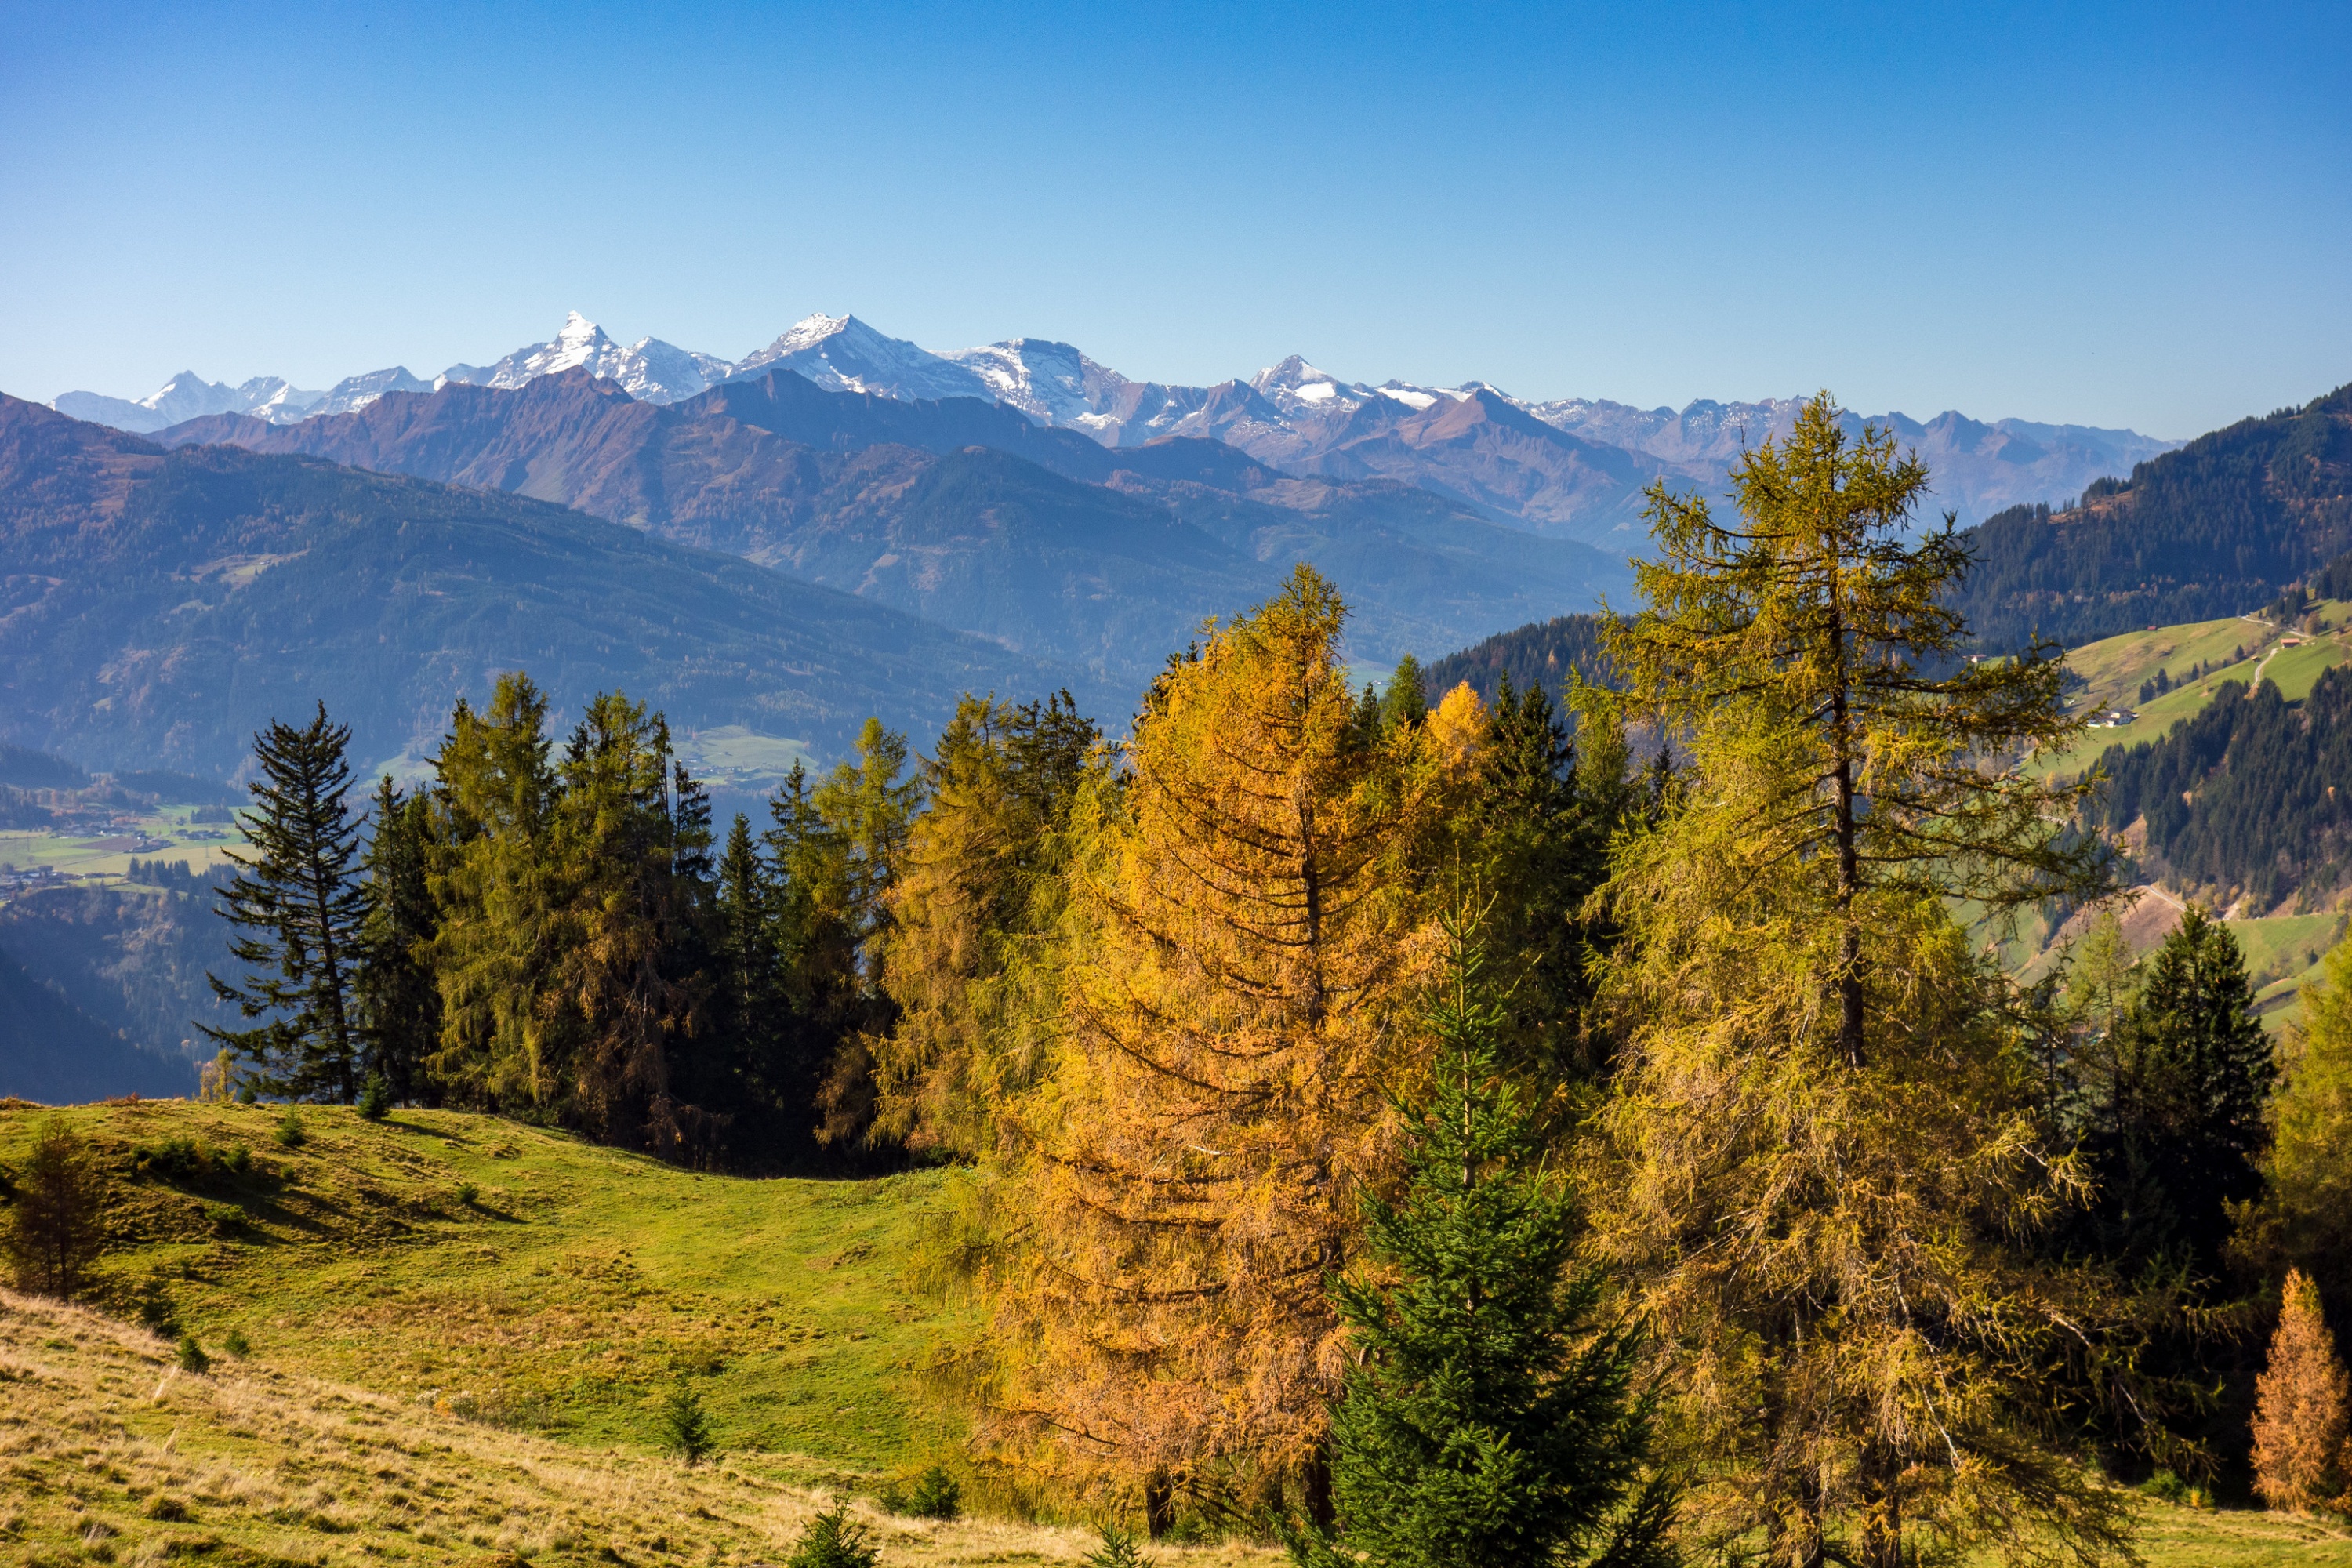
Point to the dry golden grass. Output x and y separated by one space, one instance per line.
110 1453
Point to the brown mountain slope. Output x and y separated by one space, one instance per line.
1049 543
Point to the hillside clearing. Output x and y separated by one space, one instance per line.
112 1454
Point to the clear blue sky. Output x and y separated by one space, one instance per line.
2119 215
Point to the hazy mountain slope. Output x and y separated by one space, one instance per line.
161 606
131 959
2217 528
1105 558
1979 468
53 1052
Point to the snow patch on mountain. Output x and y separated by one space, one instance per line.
843 353
1052 383
648 370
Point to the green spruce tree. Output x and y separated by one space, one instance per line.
1492 1417
2178 1127
302 910
399 1003
1540 821
1406 699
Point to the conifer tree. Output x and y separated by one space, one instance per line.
1407 697
1822 1151
1541 821
2302 1414
55 1220
633 858
302 911
499 891
1489 1418
866 808
748 1075
2178 1126
2311 1157
1249 943
968 958
399 1003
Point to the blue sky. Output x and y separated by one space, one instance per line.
2113 215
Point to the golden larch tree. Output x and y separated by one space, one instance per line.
1823 1162
1238 1009
2301 1414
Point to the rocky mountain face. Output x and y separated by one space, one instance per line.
1573 467
966 513
156 608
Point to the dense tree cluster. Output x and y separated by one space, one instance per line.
2242 796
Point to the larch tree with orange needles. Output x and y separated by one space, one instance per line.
2303 1413
1239 1011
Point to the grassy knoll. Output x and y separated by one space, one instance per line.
439 1379
578 1286
109 1453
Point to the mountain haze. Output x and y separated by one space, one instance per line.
966 513
159 606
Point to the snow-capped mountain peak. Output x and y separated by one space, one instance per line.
843 354
648 370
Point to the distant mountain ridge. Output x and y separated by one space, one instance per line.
1572 465
965 512
2220 527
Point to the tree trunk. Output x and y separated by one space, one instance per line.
1159 1505
1849 883
1315 1488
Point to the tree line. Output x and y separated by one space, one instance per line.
1433 1136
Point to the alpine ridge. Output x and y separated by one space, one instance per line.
1571 467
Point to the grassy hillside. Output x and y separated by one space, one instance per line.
2232 648
574 1291
433 1379
111 1454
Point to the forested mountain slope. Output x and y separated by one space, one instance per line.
53 1051
965 512
1535 657
162 606
2254 795
2217 528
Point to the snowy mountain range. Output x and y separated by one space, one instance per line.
1574 466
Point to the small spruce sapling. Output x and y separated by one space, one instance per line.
375 1098
686 1430
237 1344
937 1495
833 1540
1117 1550
291 1133
192 1357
